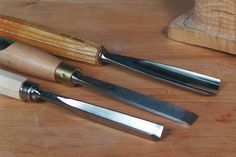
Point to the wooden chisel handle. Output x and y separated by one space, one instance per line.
29 60
57 43
35 62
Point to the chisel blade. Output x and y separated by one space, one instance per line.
124 122
59 71
138 100
193 81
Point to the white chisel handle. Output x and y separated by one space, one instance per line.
10 84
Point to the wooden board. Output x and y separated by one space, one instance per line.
210 24
134 28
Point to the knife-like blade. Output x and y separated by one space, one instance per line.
124 122
190 80
137 99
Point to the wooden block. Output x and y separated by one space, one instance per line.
211 24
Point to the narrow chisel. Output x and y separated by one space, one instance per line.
81 50
19 87
35 62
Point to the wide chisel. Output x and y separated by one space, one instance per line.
35 62
81 50
19 87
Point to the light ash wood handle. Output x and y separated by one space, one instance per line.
57 43
10 84
29 60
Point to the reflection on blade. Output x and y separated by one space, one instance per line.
138 100
196 82
115 119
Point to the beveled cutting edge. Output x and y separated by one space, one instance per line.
136 99
30 91
196 82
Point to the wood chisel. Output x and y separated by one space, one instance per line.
19 87
66 46
33 61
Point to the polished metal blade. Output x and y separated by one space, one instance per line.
137 99
196 82
102 115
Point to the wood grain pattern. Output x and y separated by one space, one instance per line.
57 43
211 24
29 60
134 28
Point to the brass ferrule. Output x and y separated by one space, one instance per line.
64 72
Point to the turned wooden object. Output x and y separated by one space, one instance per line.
29 60
211 24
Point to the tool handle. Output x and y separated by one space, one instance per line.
29 60
10 84
59 44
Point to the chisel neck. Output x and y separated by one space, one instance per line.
104 56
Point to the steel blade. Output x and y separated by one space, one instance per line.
111 118
137 99
194 81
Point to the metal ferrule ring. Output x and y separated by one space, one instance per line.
64 72
102 54
29 91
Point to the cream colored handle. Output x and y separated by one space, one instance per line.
10 84
59 44
29 60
